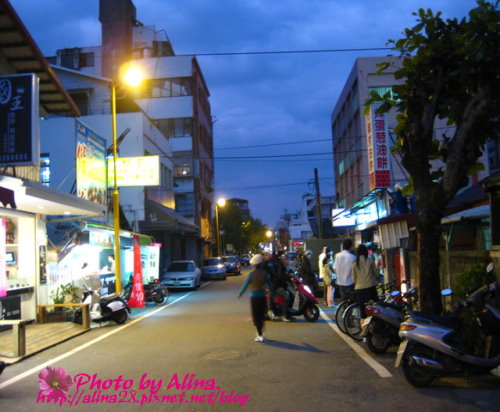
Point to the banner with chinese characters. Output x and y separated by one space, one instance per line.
90 164
379 162
134 171
19 125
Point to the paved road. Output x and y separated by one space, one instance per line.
207 336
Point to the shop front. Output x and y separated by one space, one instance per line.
23 241
88 259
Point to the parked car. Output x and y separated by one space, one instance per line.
233 264
245 260
213 268
182 274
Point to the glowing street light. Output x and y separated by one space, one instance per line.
220 203
130 75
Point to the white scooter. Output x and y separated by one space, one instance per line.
432 345
112 307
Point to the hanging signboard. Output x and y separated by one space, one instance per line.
19 127
90 164
377 134
134 171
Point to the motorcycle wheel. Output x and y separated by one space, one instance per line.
311 313
414 374
159 298
377 342
352 320
120 316
339 314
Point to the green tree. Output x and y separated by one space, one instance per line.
243 232
450 71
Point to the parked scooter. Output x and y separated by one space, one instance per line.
112 307
153 292
433 346
381 326
308 304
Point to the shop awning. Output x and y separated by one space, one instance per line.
33 197
468 214
160 217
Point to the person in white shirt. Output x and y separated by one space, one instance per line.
343 268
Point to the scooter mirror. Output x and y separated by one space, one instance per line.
490 267
446 292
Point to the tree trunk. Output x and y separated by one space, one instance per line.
429 231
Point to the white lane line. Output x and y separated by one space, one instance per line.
52 361
377 367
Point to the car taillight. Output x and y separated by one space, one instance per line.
157 281
371 310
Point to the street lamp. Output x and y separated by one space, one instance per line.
132 76
220 203
269 234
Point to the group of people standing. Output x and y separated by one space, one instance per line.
353 273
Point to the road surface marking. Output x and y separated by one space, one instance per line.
377 367
52 361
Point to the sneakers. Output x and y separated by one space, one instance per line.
288 319
259 338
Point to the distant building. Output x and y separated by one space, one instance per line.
242 204
174 97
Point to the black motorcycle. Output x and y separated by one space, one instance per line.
153 292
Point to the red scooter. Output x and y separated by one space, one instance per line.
308 304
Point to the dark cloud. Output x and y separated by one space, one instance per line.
257 99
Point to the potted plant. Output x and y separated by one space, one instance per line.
63 294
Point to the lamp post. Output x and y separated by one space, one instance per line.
269 234
131 76
220 203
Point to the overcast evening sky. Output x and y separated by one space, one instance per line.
257 100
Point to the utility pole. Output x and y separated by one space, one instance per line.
319 221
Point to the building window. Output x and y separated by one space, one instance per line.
86 60
182 127
181 86
184 204
45 169
182 170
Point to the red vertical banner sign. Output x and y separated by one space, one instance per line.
3 264
137 297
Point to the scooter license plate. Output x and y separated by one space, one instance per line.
401 351
364 325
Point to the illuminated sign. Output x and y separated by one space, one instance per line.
343 217
135 171
90 164
19 128
377 134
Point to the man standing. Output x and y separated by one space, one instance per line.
321 269
343 268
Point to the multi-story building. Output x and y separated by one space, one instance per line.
174 97
242 204
368 176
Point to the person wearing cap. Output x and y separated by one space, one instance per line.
257 280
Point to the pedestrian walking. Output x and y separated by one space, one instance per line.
343 268
364 274
257 280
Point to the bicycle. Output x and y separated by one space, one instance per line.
347 301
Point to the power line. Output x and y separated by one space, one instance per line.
285 52
273 144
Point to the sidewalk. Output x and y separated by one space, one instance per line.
41 336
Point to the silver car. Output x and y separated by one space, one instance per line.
182 274
213 267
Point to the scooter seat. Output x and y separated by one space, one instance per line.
391 306
453 323
110 297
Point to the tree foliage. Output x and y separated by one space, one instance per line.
449 70
243 232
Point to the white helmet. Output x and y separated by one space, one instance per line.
256 259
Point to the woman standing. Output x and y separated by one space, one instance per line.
257 279
329 278
365 275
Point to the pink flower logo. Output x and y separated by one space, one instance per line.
54 381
